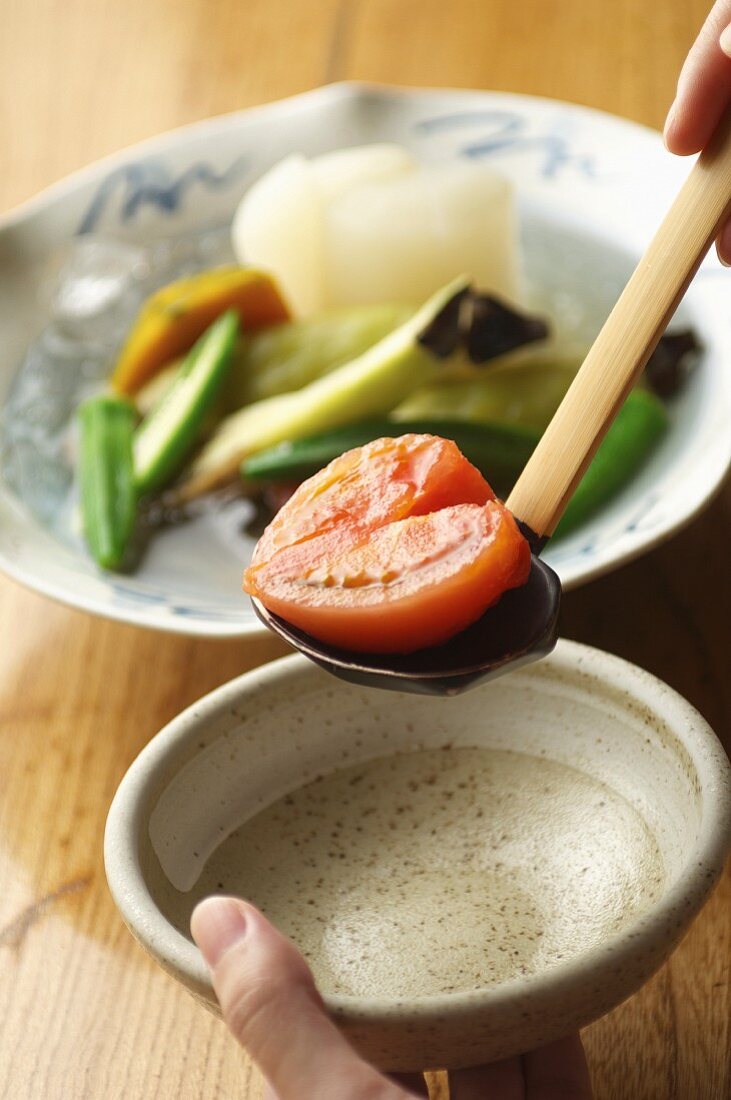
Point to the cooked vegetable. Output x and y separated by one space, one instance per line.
370 224
108 495
300 351
496 329
523 395
384 481
393 547
280 222
171 320
169 432
404 237
499 452
290 355
626 446
152 393
370 385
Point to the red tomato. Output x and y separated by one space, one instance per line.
393 547
383 481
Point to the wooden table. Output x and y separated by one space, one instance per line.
84 1013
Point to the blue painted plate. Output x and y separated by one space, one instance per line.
76 260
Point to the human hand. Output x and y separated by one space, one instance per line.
704 93
271 1006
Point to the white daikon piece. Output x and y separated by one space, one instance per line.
337 172
278 227
401 239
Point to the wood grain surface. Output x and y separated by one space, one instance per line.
84 1013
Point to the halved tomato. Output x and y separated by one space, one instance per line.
393 547
381 482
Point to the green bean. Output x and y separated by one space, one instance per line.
626 446
499 452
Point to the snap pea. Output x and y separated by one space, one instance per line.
499 452
171 429
108 495
626 446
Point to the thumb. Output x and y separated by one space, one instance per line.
270 1004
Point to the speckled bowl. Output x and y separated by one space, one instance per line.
266 733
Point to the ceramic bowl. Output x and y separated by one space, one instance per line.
591 189
269 732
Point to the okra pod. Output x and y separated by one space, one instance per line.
108 495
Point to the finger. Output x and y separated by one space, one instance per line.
557 1072
414 1083
704 87
270 1004
723 245
498 1081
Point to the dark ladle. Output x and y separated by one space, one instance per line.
523 625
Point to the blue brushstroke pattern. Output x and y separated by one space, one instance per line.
510 133
151 183
468 118
126 596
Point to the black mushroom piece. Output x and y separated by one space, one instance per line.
672 359
481 325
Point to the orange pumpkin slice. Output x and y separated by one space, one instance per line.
173 318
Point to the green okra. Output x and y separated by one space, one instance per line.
108 494
172 427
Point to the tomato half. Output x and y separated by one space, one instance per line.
381 482
393 547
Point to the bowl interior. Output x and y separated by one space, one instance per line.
593 800
560 865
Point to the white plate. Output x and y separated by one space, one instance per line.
592 190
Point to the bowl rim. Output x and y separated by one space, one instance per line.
700 870
334 90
